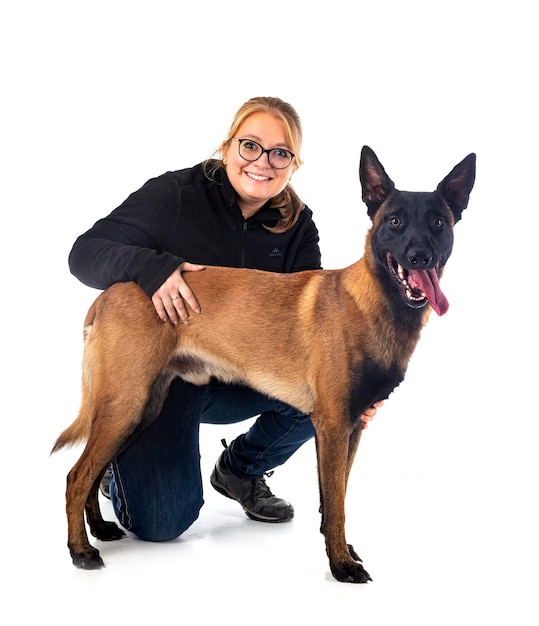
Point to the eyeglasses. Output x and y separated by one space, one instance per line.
250 150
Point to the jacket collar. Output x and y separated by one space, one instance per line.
265 215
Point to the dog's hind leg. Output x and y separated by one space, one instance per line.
109 531
117 421
105 531
81 493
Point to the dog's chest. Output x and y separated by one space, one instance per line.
371 382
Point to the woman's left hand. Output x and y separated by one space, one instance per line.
370 413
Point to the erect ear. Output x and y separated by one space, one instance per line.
457 185
375 183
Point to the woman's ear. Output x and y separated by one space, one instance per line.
224 151
294 167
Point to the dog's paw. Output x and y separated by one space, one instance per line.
107 531
350 571
88 559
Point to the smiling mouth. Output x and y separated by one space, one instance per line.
419 287
257 177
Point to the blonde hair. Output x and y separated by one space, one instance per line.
287 203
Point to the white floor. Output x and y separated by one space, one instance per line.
442 503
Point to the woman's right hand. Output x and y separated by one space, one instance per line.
171 299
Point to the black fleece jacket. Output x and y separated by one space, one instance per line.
184 216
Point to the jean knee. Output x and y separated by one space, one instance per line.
152 520
160 529
160 532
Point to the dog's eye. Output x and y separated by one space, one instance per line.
437 222
395 221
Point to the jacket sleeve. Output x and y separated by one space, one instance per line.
130 244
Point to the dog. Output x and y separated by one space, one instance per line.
331 343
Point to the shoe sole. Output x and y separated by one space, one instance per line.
254 516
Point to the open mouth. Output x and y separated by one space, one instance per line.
419 287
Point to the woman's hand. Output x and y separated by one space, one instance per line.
370 413
171 298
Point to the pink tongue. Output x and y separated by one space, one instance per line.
427 281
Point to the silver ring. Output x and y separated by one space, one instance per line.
176 298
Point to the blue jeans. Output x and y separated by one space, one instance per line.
156 486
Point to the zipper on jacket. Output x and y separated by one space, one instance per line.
244 230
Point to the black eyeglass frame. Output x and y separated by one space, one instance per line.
264 150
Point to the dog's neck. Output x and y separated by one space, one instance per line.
397 332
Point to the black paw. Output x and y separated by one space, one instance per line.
350 571
88 559
107 531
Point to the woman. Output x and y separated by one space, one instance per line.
235 210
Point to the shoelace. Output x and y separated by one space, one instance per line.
259 488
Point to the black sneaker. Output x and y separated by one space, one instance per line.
253 494
104 486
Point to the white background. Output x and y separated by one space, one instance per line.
97 98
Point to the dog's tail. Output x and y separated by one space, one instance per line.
75 434
79 431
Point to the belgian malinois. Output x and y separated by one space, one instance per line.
329 342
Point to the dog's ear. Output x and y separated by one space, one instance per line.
456 186
375 183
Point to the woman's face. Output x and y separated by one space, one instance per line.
256 182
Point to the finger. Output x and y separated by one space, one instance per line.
372 410
191 267
180 308
187 297
160 308
191 301
171 310
184 288
367 417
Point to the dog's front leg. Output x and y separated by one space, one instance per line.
336 446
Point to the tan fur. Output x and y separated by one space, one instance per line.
292 336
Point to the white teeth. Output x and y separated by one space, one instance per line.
411 296
402 275
414 295
408 290
256 177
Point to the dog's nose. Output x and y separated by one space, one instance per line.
420 258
